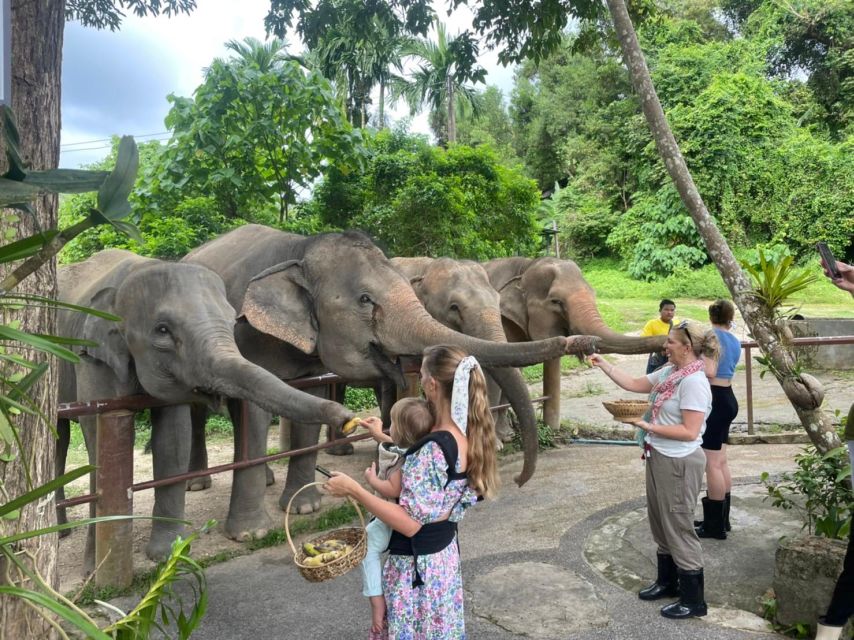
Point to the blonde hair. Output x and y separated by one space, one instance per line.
440 363
412 420
703 342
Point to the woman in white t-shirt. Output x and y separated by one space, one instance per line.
681 400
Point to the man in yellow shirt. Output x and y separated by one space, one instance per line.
660 326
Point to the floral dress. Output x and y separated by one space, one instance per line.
434 610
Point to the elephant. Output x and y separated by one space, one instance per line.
459 295
546 297
333 302
175 342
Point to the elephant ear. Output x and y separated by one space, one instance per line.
514 307
112 348
278 303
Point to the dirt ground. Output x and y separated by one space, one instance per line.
582 393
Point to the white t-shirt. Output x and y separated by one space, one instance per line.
693 394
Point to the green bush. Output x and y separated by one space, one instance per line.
819 490
359 398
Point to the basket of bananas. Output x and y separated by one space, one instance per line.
627 410
331 554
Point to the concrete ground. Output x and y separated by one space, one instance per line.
560 558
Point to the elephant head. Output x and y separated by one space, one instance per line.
338 297
547 297
176 338
458 294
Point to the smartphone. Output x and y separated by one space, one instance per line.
829 261
323 471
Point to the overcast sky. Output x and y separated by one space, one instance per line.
117 82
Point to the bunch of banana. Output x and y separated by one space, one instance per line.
351 425
324 552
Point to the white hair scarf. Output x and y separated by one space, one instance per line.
460 392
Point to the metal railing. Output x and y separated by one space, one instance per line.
114 486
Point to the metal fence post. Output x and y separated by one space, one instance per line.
551 389
113 480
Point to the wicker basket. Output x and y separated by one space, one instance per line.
356 537
627 410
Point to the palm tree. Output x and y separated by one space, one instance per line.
444 69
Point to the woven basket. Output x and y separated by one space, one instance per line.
356 537
627 410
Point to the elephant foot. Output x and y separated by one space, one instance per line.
307 501
245 527
271 477
199 484
343 449
160 544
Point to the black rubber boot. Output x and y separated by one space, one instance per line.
692 602
727 500
699 523
713 520
666 585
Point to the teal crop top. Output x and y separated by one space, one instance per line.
730 354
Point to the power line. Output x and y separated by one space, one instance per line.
109 146
144 135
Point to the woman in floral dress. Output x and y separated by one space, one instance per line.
422 580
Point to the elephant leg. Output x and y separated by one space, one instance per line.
345 448
247 517
170 447
386 392
63 430
198 448
301 468
503 424
88 425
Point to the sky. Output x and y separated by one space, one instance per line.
116 83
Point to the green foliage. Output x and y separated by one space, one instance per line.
100 14
545 438
258 129
775 281
339 516
359 399
819 490
422 200
489 125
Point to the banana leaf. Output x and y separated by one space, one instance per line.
67 180
113 194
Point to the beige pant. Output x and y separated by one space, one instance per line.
672 486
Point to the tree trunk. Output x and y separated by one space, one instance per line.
452 116
381 107
36 30
800 390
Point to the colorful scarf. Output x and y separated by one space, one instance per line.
665 389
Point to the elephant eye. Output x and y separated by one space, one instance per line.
161 329
365 299
455 307
556 302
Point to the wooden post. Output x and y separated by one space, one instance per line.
113 481
551 389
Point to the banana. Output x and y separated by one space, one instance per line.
323 558
311 550
329 545
350 426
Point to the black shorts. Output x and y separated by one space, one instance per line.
724 411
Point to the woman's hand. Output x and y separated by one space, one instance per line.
341 485
596 360
642 424
846 281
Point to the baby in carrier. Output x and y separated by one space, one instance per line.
411 420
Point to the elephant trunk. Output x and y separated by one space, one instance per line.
514 387
584 318
235 377
411 327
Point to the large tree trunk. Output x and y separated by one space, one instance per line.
37 29
801 390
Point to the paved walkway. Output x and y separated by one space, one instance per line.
560 558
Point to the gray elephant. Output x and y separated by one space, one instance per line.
459 295
176 343
334 302
546 297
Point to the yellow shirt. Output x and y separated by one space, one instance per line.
656 327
